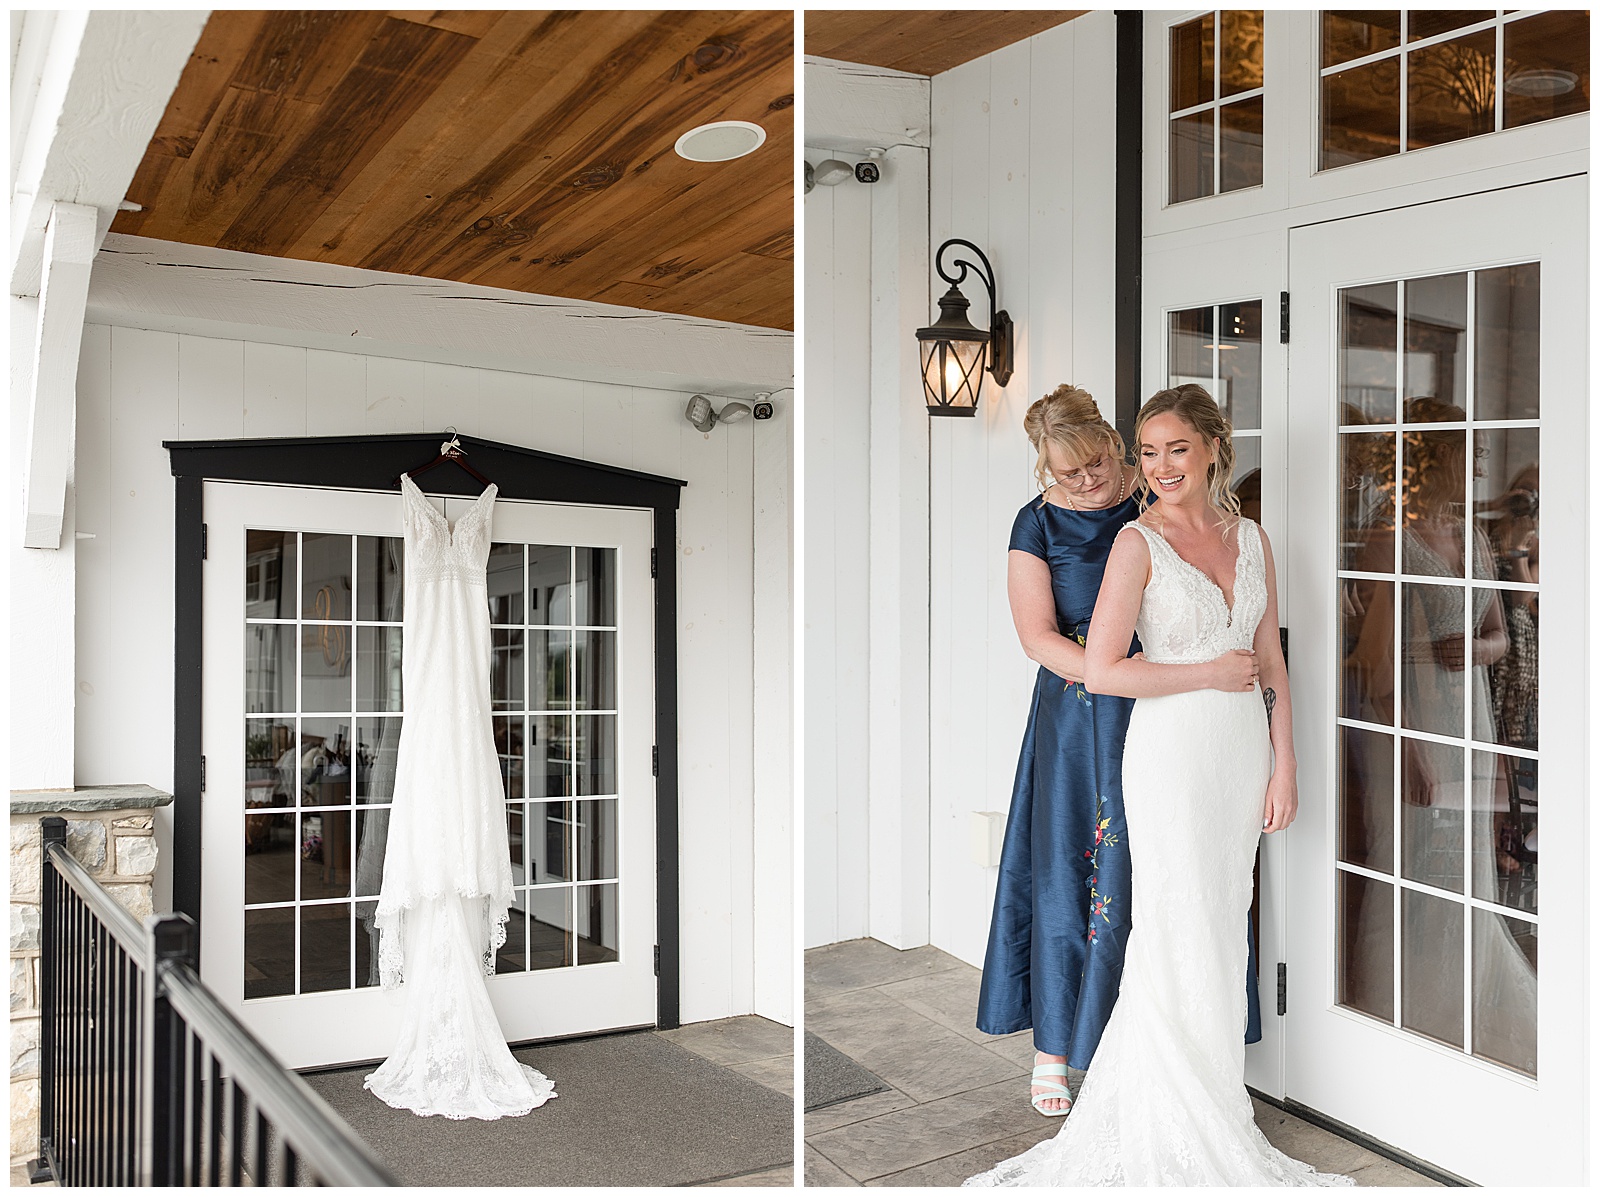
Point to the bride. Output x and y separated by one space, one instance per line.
1205 772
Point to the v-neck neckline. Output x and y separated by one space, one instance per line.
1238 554
449 528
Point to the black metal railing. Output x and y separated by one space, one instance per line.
145 1077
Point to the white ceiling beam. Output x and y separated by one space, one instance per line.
143 283
68 258
93 86
856 108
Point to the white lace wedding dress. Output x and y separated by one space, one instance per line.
446 888
1164 1101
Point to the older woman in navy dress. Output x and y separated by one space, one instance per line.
1061 916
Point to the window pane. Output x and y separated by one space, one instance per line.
1192 60
1368 348
269 574
1436 347
1190 156
380 578
597 839
1361 113
1366 512
595 670
270 776
372 837
595 587
508 747
596 923
269 952
1505 843
1450 91
325 762
505 583
505 670
597 754
1424 23
1239 362
549 679
549 928
325 854
1366 799
549 584
325 576
1241 50
549 842
1546 67
1431 966
513 954
324 948
1432 497
1507 326
1505 991
1432 680
1432 806
325 667
269 857
1247 475
1351 35
1366 945
377 750
1241 145
377 669
1189 347
1366 685
269 668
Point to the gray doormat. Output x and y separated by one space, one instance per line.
634 1109
832 1076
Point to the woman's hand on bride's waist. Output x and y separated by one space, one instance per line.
1234 671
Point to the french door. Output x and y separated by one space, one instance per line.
1212 317
1437 936
303 711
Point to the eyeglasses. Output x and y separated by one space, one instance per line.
1078 477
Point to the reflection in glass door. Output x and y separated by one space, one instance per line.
1438 593
1438 938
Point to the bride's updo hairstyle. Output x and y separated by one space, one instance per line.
1193 404
1068 419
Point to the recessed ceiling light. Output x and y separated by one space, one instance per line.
720 141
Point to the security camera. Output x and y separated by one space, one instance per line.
763 405
867 172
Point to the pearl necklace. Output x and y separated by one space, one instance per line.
1122 492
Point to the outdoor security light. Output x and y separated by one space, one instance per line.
954 352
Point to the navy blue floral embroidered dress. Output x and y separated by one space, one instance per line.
1061 906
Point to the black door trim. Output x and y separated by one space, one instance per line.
374 463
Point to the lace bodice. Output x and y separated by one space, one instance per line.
436 552
1184 618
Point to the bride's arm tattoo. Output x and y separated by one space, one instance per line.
1270 696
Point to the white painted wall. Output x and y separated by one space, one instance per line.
838 307
137 387
1023 164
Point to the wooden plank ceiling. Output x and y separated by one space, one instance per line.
526 150
923 43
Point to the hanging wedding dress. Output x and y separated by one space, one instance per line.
1164 1101
446 889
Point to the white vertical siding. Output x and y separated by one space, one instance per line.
838 297
138 387
1022 165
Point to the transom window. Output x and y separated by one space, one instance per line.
1215 104
1393 82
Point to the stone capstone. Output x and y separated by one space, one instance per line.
136 855
86 841
24 928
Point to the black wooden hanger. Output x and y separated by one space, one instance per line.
451 451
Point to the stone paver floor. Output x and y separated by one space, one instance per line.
958 1102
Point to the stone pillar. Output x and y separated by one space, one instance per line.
109 832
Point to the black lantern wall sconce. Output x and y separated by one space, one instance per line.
954 353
